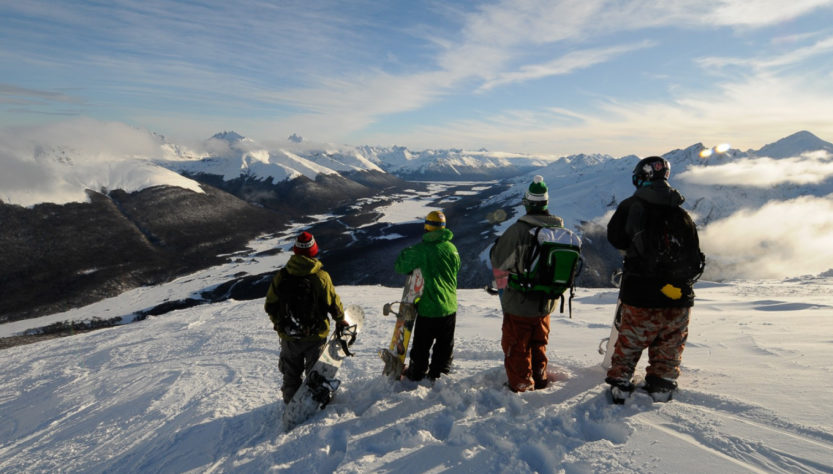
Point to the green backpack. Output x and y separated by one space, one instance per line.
551 266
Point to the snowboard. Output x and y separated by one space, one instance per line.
608 344
394 355
320 384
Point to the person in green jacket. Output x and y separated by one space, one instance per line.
439 262
298 302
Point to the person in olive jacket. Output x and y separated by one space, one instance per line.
439 262
303 335
526 316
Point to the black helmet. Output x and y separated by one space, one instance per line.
652 168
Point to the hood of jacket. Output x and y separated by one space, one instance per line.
301 265
660 193
439 235
542 220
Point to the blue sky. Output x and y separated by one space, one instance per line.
555 77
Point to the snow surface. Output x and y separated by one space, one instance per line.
198 390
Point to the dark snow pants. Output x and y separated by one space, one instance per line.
524 343
437 332
297 358
663 331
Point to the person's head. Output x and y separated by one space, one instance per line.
305 245
435 220
653 168
536 197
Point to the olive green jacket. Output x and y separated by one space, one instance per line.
439 262
301 265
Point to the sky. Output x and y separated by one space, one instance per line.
548 77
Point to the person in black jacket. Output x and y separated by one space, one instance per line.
655 307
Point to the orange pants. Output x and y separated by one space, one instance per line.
524 345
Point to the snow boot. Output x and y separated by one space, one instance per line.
620 390
413 375
660 389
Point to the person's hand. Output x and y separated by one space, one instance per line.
340 325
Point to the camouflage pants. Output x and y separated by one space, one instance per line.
663 331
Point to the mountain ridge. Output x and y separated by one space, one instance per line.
61 243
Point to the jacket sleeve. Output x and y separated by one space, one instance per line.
332 301
617 232
270 306
408 260
506 253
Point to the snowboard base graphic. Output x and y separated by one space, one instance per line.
394 355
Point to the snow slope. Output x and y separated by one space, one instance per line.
197 390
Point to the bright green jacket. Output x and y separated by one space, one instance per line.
439 261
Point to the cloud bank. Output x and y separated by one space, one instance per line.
59 162
780 239
809 168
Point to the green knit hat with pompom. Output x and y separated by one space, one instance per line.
537 196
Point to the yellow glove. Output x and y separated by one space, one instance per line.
671 291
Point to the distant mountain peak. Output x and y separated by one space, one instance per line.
229 136
794 145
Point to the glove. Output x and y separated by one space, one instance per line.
341 324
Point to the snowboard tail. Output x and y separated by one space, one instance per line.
320 384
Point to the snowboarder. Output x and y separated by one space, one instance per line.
526 316
298 302
655 306
439 262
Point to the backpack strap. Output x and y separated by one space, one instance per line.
531 257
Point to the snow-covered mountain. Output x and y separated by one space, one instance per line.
453 164
197 390
232 156
761 213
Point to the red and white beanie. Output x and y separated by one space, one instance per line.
305 245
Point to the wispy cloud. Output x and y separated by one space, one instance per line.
9 92
823 47
757 13
339 68
568 63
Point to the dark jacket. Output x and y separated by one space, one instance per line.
301 265
507 255
439 262
638 288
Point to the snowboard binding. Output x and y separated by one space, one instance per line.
321 388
